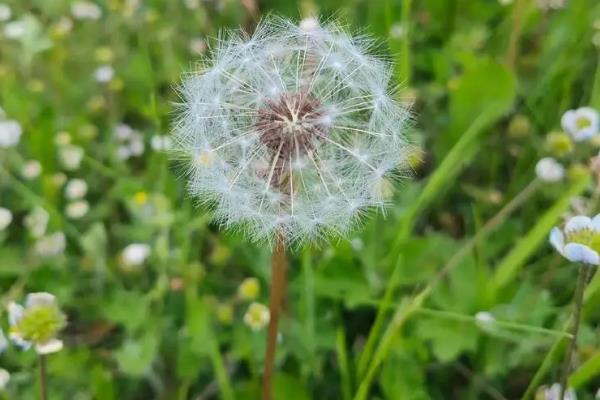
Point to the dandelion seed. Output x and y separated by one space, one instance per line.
549 170
293 131
76 189
10 133
31 170
5 218
581 123
257 316
37 324
579 241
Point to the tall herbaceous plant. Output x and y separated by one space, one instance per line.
290 134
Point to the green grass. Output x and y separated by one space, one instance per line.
386 313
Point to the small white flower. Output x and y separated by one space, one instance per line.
581 123
37 323
257 316
123 132
3 342
31 170
70 156
15 30
77 209
104 74
5 218
51 245
549 170
135 254
485 320
86 10
546 5
553 393
37 222
5 12
579 241
10 133
76 189
4 378
161 143
136 146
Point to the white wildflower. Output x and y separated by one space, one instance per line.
161 143
5 12
76 189
3 342
292 130
51 245
553 393
579 241
131 142
37 323
70 156
10 133
135 254
581 123
86 10
77 209
546 5
4 378
37 222
31 170
485 320
5 218
15 30
257 316
549 170
104 74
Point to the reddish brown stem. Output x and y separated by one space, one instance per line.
278 284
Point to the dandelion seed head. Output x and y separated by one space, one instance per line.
294 130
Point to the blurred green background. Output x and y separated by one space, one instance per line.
92 87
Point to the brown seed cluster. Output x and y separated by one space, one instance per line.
291 125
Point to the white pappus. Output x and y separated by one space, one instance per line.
293 131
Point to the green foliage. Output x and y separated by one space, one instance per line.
368 317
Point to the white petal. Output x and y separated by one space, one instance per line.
15 312
579 253
39 298
51 346
557 240
3 342
19 341
568 121
596 223
577 223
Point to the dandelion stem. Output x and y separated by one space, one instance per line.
278 284
43 377
584 271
